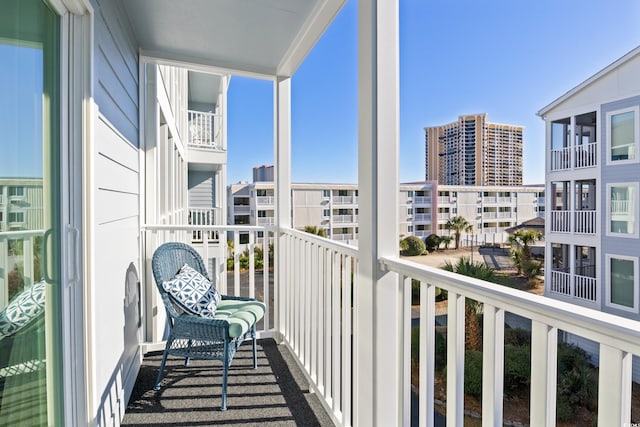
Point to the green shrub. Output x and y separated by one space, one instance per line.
473 373
441 348
564 411
517 369
516 337
415 292
415 246
432 242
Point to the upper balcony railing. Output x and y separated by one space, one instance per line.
265 200
205 130
446 199
422 200
419 217
266 220
313 304
578 157
204 217
345 200
345 219
584 221
582 285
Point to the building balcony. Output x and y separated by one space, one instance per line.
310 377
205 130
576 157
422 200
241 209
446 200
266 220
584 221
581 286
345 219
422 217
345 200
265 200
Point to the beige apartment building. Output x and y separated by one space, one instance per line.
424 208
473 151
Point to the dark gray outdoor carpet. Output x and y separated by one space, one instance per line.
275 394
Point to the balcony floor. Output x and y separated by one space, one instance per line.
277 393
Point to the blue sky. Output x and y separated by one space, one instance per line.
503 57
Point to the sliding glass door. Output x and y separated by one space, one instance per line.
30 261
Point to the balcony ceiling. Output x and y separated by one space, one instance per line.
263 37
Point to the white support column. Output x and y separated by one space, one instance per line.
377 334
492 365
282 184
614 393
544 356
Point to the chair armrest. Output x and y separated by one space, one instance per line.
229 297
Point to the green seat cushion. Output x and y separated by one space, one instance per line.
241 315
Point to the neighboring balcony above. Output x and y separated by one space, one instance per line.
206 142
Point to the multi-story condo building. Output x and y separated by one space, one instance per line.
592 164
424 208
473 151
21 204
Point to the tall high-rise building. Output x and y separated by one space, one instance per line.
472 151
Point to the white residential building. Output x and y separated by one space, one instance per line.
423 208
593 160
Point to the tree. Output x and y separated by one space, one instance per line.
415 246
521 254
478 270
432 242
314 229
458 224
446 240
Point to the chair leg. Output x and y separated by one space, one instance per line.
255 352
225 373
188 359
161 371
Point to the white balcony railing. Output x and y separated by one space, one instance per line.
560 159
204 217
342 237
310 308
422 217
560 283
586 156
577 286
446 200
561 221
490 200
266 220
265 200
422 200
345 200
444 216
585 222
344 219
620 207
205 130
241 209
585 288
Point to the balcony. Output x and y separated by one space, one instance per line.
313 314
345 219
581 286
422 200
266 220
265 200
576 157
345 200
422 217
205 130
584 221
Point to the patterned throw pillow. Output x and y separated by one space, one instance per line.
193 292
22 309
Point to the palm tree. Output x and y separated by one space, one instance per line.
458 224
446 240
522 239
314 229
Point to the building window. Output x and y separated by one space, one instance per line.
261 193
262 214
260 234
622 135
409 211
243 238
622 200
16 217
16 191
410 194
342 193
621 277
326 212
326 193
410 229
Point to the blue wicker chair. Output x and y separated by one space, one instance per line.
195 337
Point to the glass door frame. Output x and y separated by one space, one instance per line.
76 142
